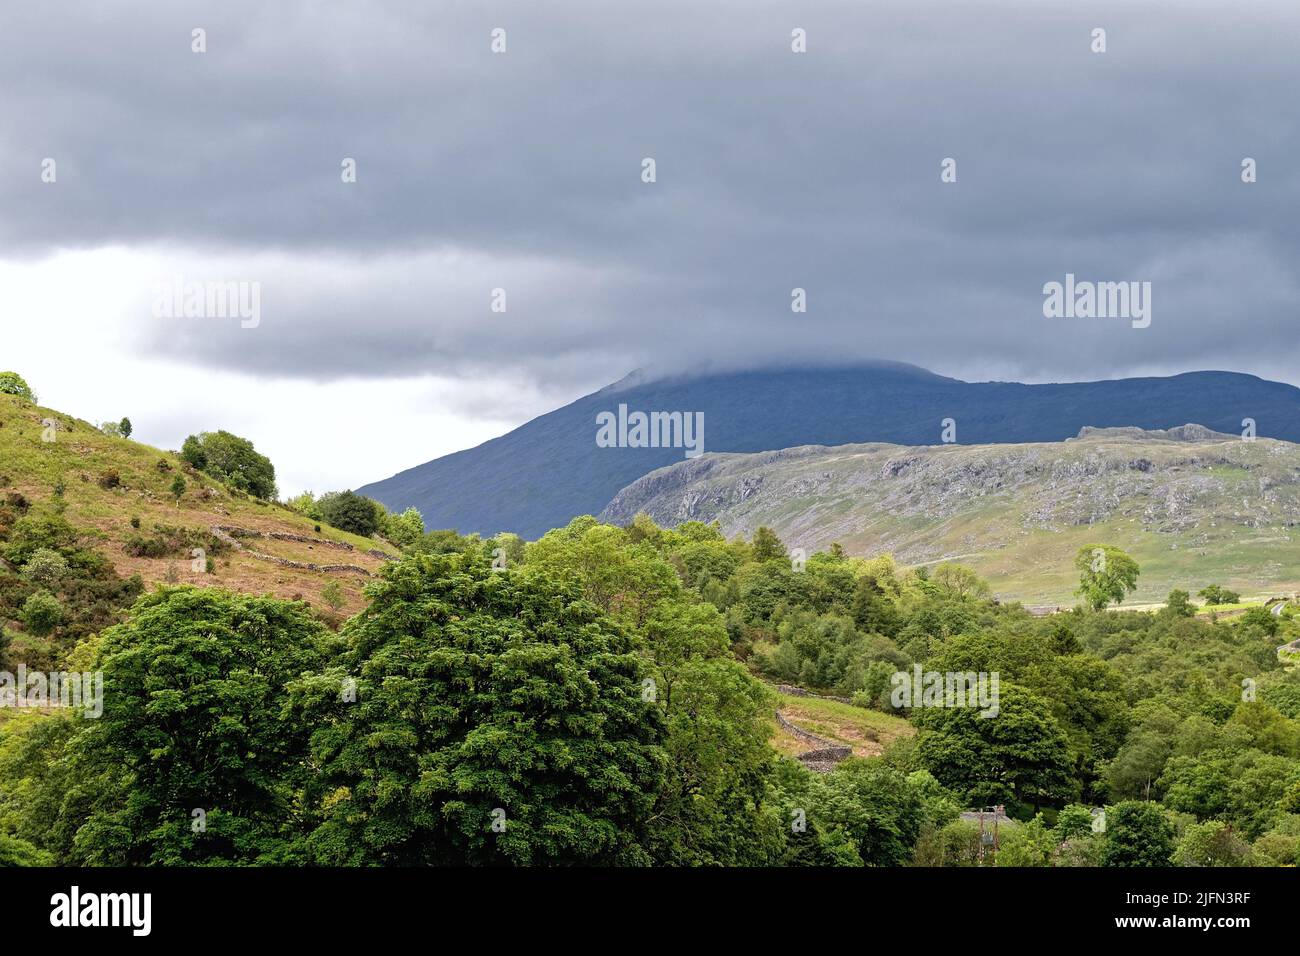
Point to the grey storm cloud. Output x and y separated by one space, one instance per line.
775 170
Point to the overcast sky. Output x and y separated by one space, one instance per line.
377 347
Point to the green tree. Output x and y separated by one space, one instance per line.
498 718
349 511
15 852
11 383
1212 843
1137 834
1261 619
125 427
873 806
1020 756
1028 844
42 613
767 546
1074 820
1178 604
232 460
332 595
958 581
710 809
1216 594
405 529
194 718
177 488
1107 574
45 568
304 504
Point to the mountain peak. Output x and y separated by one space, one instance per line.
544 473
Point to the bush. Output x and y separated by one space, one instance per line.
45 568
168 540
349 511
37 530
138 546
42 613
110 479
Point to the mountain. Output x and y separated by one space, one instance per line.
545 472
1193 506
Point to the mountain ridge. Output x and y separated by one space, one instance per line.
548 470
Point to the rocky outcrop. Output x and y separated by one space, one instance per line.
1184 488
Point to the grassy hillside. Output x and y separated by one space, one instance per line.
106 482
868 732
1192 512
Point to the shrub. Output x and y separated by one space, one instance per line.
45 568
332 595
110 479
138 546
349 511
42 613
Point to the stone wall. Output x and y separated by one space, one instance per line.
231 535
791 691
825 753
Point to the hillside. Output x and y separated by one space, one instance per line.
545 472
1191 506
106 482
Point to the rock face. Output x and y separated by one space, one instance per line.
1199 505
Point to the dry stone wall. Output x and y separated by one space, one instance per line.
231 535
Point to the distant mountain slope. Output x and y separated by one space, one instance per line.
547 471
1194 507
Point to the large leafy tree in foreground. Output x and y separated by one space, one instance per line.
194 759
498 718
